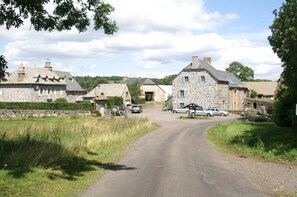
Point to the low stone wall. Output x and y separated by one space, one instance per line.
8 113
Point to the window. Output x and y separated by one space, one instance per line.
186 79
182 93
202 78
181 105
127 94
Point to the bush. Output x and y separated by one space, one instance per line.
61 100
46 106
114 101
139 101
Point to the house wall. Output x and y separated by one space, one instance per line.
204 93
236 98
158 92
126 96
31 92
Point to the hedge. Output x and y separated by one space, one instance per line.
46 106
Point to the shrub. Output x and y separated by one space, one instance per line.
61 100
139 101
46 106
114 101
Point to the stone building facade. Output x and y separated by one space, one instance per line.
202 84
28 84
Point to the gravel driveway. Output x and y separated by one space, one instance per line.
177 160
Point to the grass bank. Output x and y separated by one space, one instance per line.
261 139
61 156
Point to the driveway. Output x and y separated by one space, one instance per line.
176 160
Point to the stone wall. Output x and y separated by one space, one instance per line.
31 92
6 113
204 93
236 98
158 92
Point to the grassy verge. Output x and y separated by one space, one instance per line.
261 139
61 156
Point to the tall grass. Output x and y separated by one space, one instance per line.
62 147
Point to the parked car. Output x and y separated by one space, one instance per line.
136 109
180 110
129 107
118 111
201 112
217 112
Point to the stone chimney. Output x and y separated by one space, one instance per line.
195 62
48 64
207 60
21 73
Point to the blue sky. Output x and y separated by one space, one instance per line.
156 38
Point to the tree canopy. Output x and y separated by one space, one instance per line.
67 14
284 43
244 73
135 91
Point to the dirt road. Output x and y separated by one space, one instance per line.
176 160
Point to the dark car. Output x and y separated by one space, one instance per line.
118 111
136 109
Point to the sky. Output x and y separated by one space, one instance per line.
156 38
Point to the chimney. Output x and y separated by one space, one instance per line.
48 64
207 60
195 61
21 73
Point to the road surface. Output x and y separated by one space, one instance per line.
176 160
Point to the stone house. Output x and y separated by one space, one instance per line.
201 83
28 84
109 90
150 90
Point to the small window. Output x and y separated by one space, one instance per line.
186 79
202 78
182 93
181 105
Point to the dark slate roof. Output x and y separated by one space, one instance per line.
219 75
71 83
143 81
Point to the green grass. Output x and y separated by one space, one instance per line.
261 139
61 156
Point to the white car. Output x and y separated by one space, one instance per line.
180 110
217 112
201 112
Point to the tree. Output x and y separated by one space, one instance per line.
3 67
242 72
134 89
66 15
284 43
254 94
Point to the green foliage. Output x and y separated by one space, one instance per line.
61 100
135 91
89 83
167 80
114 101
284 43
254 94
261 139
46 106
242 72
139 101
3 67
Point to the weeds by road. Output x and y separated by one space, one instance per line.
59 156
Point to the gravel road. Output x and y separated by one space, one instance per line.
176 160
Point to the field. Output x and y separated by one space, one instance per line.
62 156
260 139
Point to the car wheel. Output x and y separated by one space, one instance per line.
208 115
222 114
174 111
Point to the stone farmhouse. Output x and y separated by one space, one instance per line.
28 84
150 90
108 90
201 83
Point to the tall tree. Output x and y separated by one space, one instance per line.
66 15
284 43
244 73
